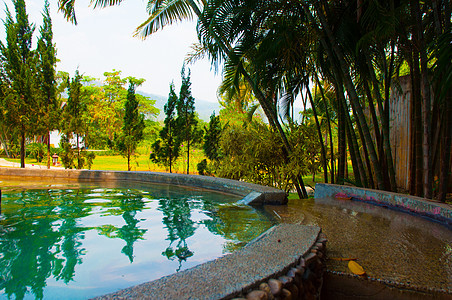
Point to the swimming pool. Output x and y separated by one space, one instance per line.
90 239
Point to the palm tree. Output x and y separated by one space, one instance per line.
358 45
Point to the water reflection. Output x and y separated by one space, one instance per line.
40 242
127 203
180 226
46 236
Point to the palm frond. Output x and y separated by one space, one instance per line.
197 52
67 7
105 3
167 13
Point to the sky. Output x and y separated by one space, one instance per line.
103 40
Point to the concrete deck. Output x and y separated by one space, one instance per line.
268 256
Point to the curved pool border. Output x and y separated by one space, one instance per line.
252 194
350 284
439 212
285 262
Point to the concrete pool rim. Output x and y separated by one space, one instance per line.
252 194
287 259
432 210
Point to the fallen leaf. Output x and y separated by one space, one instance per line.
356 268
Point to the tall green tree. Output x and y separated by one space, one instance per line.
47 78
19 61
167 149
358 47
132 131
186 121
211 145
212 138
74 125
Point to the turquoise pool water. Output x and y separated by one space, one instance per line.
89 240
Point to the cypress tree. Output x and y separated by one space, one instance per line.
47 82
186 120
20 68
166 149
133 124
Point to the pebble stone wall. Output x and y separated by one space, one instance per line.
304 281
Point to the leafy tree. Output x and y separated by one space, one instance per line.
212 138
19 63
74 125
279 47
105 105
186 119
132 131
47 77
166 149
211 144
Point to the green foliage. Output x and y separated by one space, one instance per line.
212 138
72 159
252 153
18 76
188 131
166 149
36 151
106 108
74 126
132 130
202 167
67 155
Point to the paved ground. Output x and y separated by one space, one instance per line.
5 163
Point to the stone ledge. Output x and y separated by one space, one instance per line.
268 258
253 194
411 204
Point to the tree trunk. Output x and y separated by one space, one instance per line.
412 159
426 100
273 120
445 152
188 156
352 94
386 151
355 155
329 127
226 47
22 147
371 183
319 132
78 153
341 140
128 158
48 149
418 129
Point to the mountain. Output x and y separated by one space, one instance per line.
203 108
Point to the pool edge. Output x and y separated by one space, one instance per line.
252 194
436 211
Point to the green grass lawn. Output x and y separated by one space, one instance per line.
142 163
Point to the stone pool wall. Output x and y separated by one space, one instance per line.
434 210
252 194
286 262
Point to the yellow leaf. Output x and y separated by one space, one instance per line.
356 268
